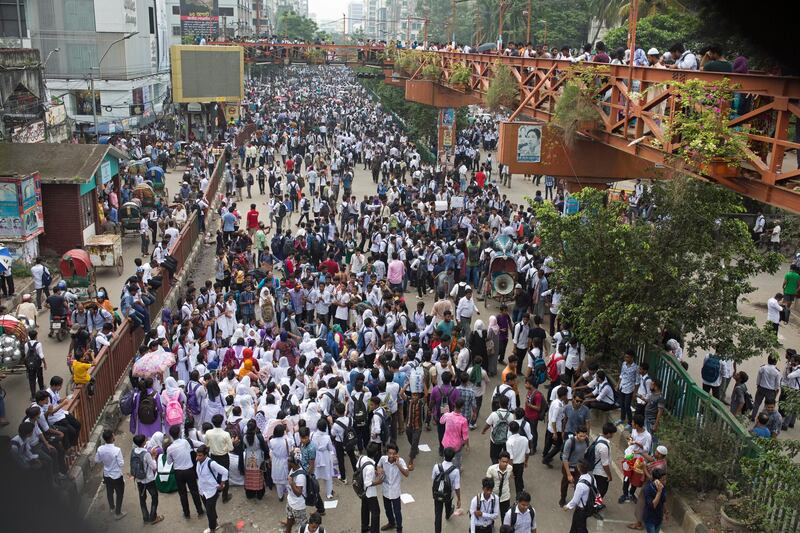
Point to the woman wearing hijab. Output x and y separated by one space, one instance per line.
170 393
323 464
478 341
492 346
279 448
280 372
251 458
311 414
140 418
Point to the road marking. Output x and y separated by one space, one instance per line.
96 494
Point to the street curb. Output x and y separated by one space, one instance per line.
680 511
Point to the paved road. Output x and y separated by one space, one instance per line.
542 482
16 385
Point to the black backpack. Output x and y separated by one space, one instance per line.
442 488
32 360
286 405
591 454
359 411
384 436
358 479
591 506
514 515
349 439
312 487
138 468
147 412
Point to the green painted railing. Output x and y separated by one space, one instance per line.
686 399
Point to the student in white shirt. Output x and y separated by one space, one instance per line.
521 517
391 466
554 438
455 485
179 454
147 484
517 447
370 509
110 456
484 508
211 478
580 499
602 396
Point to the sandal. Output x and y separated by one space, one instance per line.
635 526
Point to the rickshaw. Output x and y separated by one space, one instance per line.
78 273
502 271
13 336
146 195
155 177
130 214
137 167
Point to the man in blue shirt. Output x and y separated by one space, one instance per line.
655 497
228 224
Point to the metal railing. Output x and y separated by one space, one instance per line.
112 362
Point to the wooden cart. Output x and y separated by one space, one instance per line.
106 250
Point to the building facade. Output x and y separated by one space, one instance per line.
355 18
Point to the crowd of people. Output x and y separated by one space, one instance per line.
308 359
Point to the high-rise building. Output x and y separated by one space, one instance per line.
355 17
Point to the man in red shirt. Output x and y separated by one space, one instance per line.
252 220
290 165
329 265
480 178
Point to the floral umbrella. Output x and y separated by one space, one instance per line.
153 364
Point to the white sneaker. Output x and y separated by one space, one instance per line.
120 516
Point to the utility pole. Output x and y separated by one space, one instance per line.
344 28
408 31
503 6
528 40
91 75
451 27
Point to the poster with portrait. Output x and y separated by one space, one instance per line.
529 144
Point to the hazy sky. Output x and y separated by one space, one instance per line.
328 10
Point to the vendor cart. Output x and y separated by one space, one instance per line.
106 250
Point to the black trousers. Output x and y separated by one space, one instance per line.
144 489
7 285
504 507
211 510
602 485
223 460
579 521
188 478
413 436
370 515
394 513
35 377
340 453
438 506
71 427
114 487
552 446
519 483
494 451
362 433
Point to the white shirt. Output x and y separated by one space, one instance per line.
495 417
490 509
602 454
209 476
555 416
466 307
297 502
110 456
504 478
179 454
150 466
368 474
517 448
774 311
455 475
581 492
391 477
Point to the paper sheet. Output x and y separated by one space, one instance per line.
407 498
424 448
331 504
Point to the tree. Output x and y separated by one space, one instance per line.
296 27
660 31
683 271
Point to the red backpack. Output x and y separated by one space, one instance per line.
552 367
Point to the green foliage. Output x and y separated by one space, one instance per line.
293 26
408 61
769 486
686 269
503 89
701 123
461 75
701 458
659 30
315 55
432 71
20 269
576 105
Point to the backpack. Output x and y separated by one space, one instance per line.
349 439
32 360
47 277
500 429
591 453
442 488
358 479
478 500
514 515
711 369
281 210
359 411
540 370
497 394
384 436
234 429
147 412
592 505
174 411
361 343
748 403
444 401
286 404
312 487
191 400
138 468
552 366
126 403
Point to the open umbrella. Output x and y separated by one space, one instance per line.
487 47
153 364
5 259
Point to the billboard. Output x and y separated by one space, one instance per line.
199 18
203 74
529 143
21 207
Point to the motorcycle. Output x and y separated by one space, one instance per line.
59 327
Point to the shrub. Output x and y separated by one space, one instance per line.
431 72
461 75
503 89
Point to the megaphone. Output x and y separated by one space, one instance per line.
503 284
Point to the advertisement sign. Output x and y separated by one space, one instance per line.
163 30
199 18
105 172
28 187
21 207
529 144
32 133
9 206
55 115
83 103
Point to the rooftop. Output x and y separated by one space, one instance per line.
56 163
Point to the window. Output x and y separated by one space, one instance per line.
176 10
176 31
226 12
9 26
151 16
87 209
